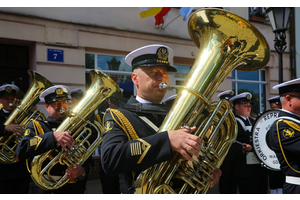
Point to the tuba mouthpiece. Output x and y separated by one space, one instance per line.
163 86
62 111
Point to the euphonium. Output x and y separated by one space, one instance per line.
21 115
102 88
225 42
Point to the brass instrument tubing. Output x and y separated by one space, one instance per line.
164 86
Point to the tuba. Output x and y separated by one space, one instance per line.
225 42
102 87
22 115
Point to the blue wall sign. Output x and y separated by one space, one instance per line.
55 55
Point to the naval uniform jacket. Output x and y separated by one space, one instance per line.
33 144
290 140
242 169
122 156
11 171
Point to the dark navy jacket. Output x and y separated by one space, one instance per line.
290 140
33 144
241 168
11 171
122 156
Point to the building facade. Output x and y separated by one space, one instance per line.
64 44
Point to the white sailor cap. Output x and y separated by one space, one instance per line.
275 100
55 93
226 94
8 89
151 55
78 92
244 97
289 86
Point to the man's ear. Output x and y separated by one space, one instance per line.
134 78
288 97
235 106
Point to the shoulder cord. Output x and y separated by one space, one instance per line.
125 125
294 126
37 129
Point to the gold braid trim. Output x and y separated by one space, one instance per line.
38 129
124 123
294 126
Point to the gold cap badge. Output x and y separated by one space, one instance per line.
59 91
248 96
162 53
8 89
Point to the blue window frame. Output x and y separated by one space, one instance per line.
253 82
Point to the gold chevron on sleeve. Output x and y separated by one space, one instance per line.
144 148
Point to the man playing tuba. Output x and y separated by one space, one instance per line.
40 137
14 178
126 153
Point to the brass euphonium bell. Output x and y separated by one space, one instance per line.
101 89
226 42
22 115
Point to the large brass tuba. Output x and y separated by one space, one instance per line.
21 115
225 42
102 88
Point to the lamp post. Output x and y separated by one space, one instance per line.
279 18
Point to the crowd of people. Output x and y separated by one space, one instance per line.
131 143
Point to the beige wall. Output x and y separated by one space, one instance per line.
75 38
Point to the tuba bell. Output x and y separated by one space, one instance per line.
21 115
101 88
225 42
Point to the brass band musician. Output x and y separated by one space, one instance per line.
126 155
76 95
14 178
284 135
41 136
250 176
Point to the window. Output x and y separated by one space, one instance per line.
181 74
257 14
253 82
115 67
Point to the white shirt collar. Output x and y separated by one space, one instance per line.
243 117
141 100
